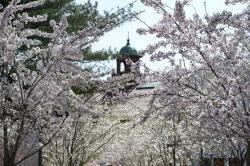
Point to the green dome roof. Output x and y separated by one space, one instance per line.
128 51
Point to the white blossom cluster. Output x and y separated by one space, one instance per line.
36 98
210 82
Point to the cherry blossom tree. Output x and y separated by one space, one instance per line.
211 77
36 98
83 140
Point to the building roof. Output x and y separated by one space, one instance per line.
148 85
128 51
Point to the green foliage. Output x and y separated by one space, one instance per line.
205 161
81 15
87 90
53 8
31 64
77 89
5 2
88 55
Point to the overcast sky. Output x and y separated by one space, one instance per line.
117 37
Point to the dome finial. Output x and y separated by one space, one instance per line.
128 43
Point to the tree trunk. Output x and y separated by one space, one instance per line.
8 159
248 153
8 162
174 152
40 157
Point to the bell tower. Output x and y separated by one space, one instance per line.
127 55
